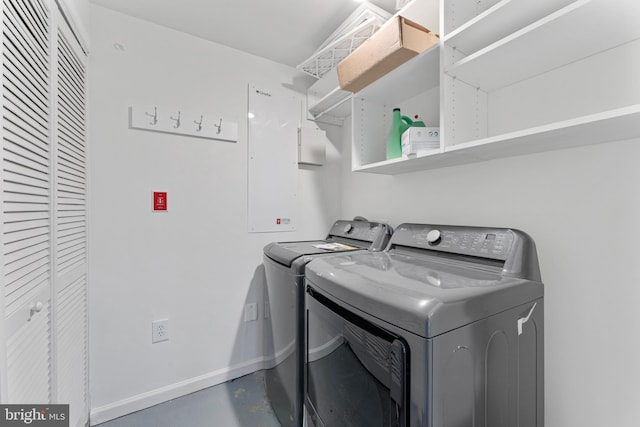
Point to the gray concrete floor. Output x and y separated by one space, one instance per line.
238 403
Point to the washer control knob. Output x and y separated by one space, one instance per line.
433 236
348 228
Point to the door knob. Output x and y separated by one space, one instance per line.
36 307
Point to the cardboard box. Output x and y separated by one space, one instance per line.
397 41
418 139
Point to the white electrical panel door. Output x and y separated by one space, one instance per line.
274 118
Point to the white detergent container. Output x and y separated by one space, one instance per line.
420 139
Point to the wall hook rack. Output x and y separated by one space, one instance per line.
218 126
177 120
170 120
154 115
199 127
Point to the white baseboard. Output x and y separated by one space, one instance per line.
325 349
145 400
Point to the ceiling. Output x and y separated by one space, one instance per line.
285 31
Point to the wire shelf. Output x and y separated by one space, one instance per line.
357 29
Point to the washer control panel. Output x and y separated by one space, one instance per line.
359 230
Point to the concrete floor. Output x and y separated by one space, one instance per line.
238 403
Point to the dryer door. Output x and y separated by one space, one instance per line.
355 370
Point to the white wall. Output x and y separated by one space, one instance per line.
582 207
196 264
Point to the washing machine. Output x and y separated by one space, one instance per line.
284 264
445 328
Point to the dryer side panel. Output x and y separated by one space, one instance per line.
486 374
531 370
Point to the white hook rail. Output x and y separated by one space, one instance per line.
180 122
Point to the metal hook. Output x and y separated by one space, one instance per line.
199 127
154 115
177 120
219 126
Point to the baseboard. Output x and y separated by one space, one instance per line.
325 349
141 401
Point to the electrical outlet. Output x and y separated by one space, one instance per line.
160 330
251 312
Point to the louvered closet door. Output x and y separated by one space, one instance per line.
26 207
71 346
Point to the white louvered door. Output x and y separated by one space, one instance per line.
43 338
70 213
26 201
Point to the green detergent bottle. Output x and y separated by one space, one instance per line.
417 122
399 124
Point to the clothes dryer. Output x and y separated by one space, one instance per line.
284 264
443 329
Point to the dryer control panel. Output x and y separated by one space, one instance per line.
493 243
512 250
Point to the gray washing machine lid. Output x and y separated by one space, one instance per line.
425 289
286 253
343 236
